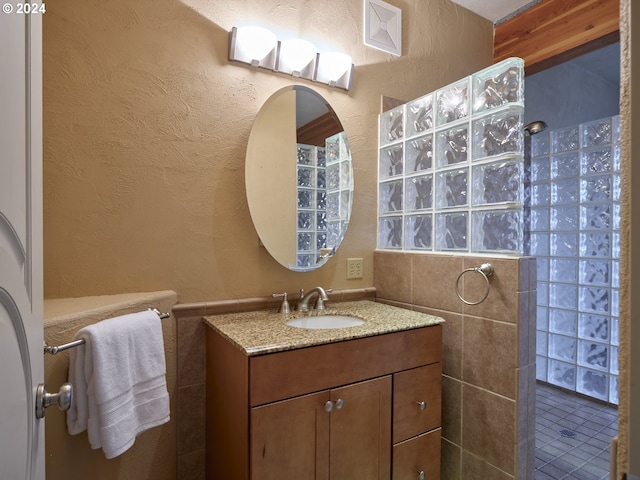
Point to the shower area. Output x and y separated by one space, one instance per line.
575 212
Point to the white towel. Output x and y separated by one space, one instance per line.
119 384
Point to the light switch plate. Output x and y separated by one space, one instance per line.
354 268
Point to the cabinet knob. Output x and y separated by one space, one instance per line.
421 475
328 406
422 405
339 404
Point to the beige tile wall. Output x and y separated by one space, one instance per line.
488 356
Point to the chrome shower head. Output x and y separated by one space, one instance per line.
535 127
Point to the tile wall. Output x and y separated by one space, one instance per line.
489 356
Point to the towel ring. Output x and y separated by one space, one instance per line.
486 270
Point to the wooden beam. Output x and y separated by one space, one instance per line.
554 28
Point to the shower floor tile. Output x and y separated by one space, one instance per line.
573 435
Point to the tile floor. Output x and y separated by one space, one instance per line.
573 435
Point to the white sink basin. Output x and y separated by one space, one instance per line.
325 322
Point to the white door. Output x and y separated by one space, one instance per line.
21 295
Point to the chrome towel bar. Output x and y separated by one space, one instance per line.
53 350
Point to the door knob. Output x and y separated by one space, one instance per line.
45 399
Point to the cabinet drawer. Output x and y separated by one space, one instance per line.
417 401
282 375
419 454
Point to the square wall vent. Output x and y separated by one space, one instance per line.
383 26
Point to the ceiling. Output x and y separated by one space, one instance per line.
496 10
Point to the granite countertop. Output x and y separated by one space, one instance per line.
264 331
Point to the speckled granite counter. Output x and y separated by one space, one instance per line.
260 332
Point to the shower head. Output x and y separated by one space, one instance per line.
535 127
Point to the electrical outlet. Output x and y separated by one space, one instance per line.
354 268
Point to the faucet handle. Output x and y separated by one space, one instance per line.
284 306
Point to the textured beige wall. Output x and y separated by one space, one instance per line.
146 125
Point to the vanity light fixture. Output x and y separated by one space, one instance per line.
259 47
256 46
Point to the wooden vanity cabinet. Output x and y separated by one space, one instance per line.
337 411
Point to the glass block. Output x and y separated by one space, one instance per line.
306 177
616 188
418 231
541 342
321 157
594 299
540 194
542 268
391 162
594 272
539 219
562 374
613 365
337 148
419 153
306 198
498 85
390 196
305 154
496 231
541 368
564 218
565 191
321 178
543 293
542 318
420 115
419 193
305 241
540 169
321 240
451 231
616 158
616 128
305 221
592 383
615 331
563 321
592 326
305 260
593 355
321 220
321 199
390 233
451 188
564 244
561 347
596 189
452 102
566 165
541 144
332 173
596 160
613 389
615 274
563 296
565 140
391 125
595 217
539 244
451 146
336 231
616 216
333 206
563 270
597 132
498 182
346 181
595 244
615 302
615 245
499 134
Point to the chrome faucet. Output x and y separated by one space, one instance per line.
303 305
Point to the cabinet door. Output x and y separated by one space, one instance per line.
290 439
360 444
417 401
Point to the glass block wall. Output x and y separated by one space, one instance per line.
575 220
324 190
451 165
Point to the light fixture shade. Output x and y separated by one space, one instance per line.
256 46
335 69
297 57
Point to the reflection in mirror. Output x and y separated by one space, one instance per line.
299 178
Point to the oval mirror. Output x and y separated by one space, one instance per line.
299 178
